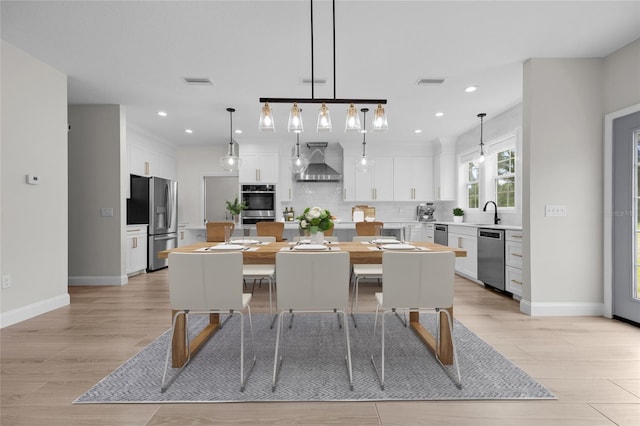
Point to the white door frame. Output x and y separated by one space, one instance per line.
608 205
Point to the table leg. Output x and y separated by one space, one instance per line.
445 350
179 352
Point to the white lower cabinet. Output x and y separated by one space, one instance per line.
465 237
429 232
513 263
136 249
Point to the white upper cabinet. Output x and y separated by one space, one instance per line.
376 184
445 173
145 161
413 178
258 167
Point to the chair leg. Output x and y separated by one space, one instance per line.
380 374
354 299
163 386
375 321
453 345
277 362
349 366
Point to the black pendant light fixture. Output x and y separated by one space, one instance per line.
364 164
266 122
482 115
231 162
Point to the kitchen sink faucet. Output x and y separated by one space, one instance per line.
496 219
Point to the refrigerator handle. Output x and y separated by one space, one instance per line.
167 193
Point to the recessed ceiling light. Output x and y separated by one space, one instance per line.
417 131
238 131
439 114
188 131
471 89
162 113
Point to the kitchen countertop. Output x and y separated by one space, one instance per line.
482 225
338 224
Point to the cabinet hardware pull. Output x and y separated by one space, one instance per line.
289 193
516 282
146 168
182 235
516 255
516 235
135 242
459 242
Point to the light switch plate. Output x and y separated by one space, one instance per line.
106 212
555 210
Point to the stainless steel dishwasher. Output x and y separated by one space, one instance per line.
491 257
441 234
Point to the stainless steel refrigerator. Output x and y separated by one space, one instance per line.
154 201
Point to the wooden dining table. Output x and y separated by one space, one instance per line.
359 253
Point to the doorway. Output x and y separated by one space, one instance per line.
625 216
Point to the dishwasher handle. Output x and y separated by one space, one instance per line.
484 233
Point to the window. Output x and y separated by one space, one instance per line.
496 179
472 185
505 181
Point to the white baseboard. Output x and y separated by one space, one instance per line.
561 309
33 310
97 280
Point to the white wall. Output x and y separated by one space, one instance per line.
562 140
97 178
33 225
622 78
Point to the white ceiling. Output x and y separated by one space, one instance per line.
136 53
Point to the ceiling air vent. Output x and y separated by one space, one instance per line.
198 81
429 81
316 81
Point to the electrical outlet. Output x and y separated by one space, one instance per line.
6 281
106 212
555 210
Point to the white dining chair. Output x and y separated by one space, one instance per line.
312 282
206 283
259 272
417 281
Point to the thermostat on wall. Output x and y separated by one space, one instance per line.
33 180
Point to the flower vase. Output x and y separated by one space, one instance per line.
316 236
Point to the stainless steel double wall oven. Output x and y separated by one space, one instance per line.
261 203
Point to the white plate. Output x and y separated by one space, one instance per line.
310 247
227 247
244 241
398 247
385 241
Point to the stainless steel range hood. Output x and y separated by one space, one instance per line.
319 155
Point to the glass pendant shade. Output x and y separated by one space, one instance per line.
380 120
266 123
231 162
298 162
353 120
324 119
295 119
364 164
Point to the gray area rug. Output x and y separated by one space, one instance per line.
314 368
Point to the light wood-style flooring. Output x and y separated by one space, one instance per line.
591 364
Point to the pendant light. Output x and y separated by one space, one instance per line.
380 120
481 159
266 123
353 120
298 162
364 164
231 162
295 119
324 119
